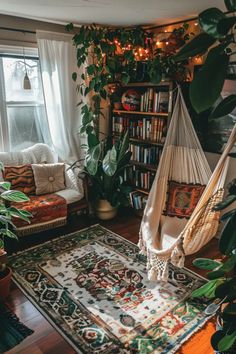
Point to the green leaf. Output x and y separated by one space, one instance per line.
207 289
18 213
91 69
123 146
125 78
14 196
198 45
109 162
227 342
216 337
216 274
92 140
229 264
225 25
92 159
225 107
230 309
208 82
74 76
5 185
69 27
230 5
226 202
209 19
8 233
227 241
228 215
205 263
1 166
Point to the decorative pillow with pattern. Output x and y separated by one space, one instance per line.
182 199
20 177
49 178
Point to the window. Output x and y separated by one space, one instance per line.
23 114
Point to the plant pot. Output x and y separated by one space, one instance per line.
104 210
5 283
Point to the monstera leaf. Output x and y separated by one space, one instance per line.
109 162
208 82
209 19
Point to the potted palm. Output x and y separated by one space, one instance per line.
105 165
6 225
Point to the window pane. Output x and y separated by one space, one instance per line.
14 72
25 126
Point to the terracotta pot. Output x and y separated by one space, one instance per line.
104 210
5 284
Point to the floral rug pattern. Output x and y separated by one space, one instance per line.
92 286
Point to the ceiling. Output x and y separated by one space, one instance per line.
112 12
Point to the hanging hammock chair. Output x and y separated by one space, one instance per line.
183 178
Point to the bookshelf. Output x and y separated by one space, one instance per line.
147 126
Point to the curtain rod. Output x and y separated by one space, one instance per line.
17 30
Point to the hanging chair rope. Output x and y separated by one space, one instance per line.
184 161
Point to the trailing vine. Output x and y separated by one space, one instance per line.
109 56
112 55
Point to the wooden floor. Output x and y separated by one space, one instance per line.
45 338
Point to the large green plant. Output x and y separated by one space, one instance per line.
105 165
8 212
107 55
222 277
217 39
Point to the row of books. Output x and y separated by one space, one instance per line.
137 200
153 128
145 154
153 101
139 178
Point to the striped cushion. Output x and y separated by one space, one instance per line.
20 177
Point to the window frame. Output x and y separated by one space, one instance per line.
4 104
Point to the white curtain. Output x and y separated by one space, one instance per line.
58 61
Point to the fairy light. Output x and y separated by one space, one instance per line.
158 43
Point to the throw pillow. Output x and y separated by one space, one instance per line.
20 177
182 199
49 178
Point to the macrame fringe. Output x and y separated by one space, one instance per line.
42 227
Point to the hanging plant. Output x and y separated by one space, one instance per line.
108 55
218 41
163 65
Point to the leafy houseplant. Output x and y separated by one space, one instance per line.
6 213
218 40
222 278
105 165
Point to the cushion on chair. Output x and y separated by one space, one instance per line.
44 208
49 178
182 199
20 177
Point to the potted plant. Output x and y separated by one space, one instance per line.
221 286
6 225
105 165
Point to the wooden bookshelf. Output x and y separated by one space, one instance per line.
134 121
146 141
144 165
139 113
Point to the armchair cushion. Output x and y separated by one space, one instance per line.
49 178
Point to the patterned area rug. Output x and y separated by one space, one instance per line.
92 286
12 331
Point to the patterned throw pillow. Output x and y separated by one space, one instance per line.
49 178
182 199
20 177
